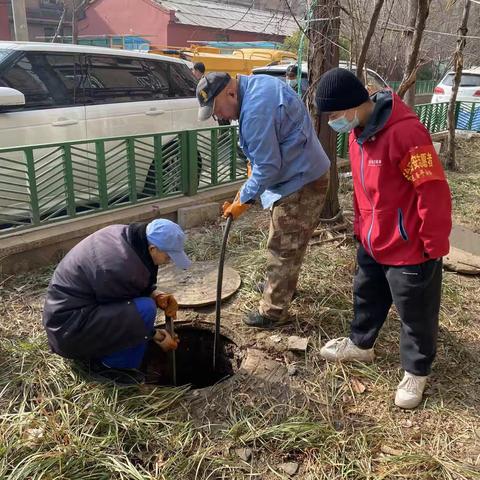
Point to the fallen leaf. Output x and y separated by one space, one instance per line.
290 468
357 385
244 453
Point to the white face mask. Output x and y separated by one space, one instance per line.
291 82
342 125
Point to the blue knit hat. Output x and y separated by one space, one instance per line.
339 89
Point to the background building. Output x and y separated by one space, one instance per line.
177 23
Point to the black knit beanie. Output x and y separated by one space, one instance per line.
339 89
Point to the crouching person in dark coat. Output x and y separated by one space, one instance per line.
101 303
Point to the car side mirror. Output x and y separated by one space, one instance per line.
9 97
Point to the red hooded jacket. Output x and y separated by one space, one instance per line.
402 200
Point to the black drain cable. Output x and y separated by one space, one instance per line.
218 302
171 331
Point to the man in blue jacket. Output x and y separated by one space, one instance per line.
289 174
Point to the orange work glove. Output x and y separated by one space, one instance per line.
165 341
235 209
249 169
167 303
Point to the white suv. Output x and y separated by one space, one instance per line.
54 93
468 91
78 92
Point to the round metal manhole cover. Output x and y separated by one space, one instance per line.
197 286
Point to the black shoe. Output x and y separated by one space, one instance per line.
119 376
260 287
256 320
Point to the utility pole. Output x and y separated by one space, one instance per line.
20 20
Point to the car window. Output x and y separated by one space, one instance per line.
182 81
159 78
68 72
467 80
119 79
47 81
4 54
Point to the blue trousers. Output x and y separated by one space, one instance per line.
132 357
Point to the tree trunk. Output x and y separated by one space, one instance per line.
412 20
409 77
451 162
322 56
368 37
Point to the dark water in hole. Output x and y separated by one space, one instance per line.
194 360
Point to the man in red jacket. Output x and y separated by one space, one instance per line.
402 207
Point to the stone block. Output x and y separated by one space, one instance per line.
196 215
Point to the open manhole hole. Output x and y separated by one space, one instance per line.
194 359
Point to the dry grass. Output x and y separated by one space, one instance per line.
336 421
465 184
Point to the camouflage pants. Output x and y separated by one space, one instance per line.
293 220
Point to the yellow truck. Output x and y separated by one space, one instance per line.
241 61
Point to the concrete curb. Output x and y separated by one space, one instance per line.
28 249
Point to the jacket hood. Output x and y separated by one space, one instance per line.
136 236
388 110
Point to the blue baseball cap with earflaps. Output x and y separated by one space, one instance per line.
168 237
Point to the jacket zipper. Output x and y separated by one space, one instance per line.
369 235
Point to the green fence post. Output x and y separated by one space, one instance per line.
184 163
233 163
342 145
32 186
428 116
158 162
132 177
69 184
472 116
192 139
444 109
214 155
101 173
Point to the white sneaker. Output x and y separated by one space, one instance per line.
410 391
343 349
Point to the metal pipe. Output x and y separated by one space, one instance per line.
218 303
171 331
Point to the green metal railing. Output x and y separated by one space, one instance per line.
421 86
46 183
433 116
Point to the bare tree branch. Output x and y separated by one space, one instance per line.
412 62
368 37
60 24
